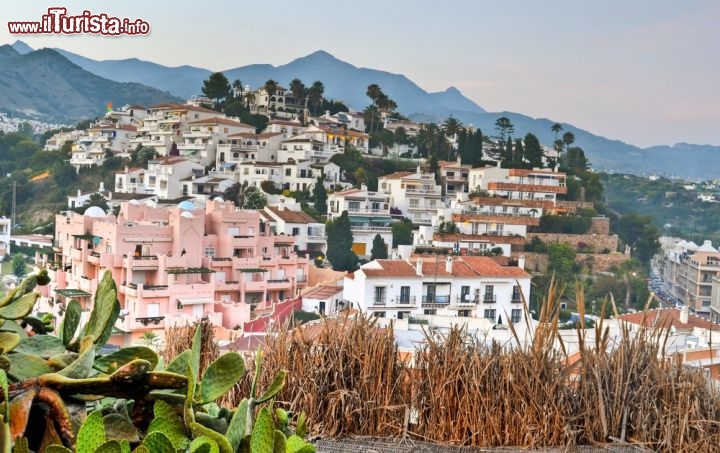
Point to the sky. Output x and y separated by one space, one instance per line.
646 72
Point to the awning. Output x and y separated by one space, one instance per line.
229 165
195 300
69 292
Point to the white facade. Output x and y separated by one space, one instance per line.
162 178
369 215
475 287
415 194
309 234
5 229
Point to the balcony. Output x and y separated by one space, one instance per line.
221 262
301 278
315 238
516 299
489 298
155 291
152 321
94 258
443 300
370 229
145 262
228 285
465 301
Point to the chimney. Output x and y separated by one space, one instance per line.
281 205
363 187
459 160
79 193
448 264
418 267
521 262
102 187
684 314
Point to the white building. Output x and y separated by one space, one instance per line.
162 178
416 195
310 238
247 147
201 138
463 286
164 125
5 230
369 215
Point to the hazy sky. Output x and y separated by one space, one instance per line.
645 72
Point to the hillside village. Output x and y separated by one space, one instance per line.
182 242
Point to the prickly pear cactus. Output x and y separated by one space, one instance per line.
122 396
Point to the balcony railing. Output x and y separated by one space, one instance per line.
444 300
489 298
407 300
379 301
301 278
155 320
278 280
516 299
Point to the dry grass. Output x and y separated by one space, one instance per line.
350 383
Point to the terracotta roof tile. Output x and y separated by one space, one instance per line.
397 175
219 120
290 216
322 292
487 267
389 268
667 317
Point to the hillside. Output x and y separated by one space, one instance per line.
45 84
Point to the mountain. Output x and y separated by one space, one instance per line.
344 81
182 81
21 47
44 84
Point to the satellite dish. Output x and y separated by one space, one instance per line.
96 240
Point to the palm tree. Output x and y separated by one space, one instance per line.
298 91
315 95
452 126
557 127
568 139
270 88
237 88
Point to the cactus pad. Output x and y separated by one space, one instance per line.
221 376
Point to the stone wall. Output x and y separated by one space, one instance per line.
590 262
594 242
600 226
573 206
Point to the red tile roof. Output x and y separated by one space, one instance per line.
389 268
219 120
177 106
666 318
254 135
290 216
397 175
487 267
322 292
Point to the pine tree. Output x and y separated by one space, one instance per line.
379 248
339 244
320 196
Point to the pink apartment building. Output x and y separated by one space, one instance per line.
175 265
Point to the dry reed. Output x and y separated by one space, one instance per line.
347 377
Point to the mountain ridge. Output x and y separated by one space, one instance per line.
346 82
45 84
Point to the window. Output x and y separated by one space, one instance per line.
246 171
489 314
464 313
489 297
295 231
288 172
379 314
379 295
430 311
404 295
209 251
464 294
353 206
516 295
515 315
